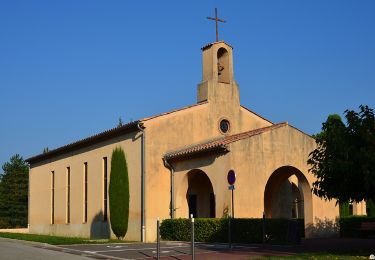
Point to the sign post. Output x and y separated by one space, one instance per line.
231 177
158 239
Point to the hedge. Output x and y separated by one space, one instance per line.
244 230
119 193
370 208
344 209
350 227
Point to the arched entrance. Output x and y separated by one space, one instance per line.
200 195
288 195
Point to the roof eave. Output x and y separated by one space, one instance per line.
127 128
188 155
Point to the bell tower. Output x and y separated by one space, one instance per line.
218 84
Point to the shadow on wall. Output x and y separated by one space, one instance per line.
324 228
100 229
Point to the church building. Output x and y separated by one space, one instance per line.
178 164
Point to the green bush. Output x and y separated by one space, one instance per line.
344 209
351 227
119 194
248 230
370 208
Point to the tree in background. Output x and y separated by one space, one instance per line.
14 193
119 196
120 123
344 160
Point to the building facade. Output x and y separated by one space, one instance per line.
178 164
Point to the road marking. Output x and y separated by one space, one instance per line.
162 252
89 252
137 249
174 244
105 256
116 246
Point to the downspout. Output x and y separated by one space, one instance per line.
170 167
143 180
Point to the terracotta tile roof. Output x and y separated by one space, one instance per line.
132 126
220 143
105 135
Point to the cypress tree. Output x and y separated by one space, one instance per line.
119 196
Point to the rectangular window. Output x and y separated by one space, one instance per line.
85 193
52 197
68 195
105 189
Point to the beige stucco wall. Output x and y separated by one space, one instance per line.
40 190
254 160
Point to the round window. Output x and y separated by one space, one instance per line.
224 126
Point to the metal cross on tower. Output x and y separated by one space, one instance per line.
216 21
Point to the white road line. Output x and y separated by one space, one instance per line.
137 249
116 246
105 256
162 252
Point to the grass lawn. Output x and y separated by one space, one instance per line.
54 240
322 256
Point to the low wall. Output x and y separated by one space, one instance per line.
14 230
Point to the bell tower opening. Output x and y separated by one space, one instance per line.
223 65
218 84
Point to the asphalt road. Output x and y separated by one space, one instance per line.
15 250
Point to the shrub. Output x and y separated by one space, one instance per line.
344 209
119 193
243 230
351 227
370 208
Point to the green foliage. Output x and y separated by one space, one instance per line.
344 160
56 240
370 208
119 194
243 230
351 227
344 209
14 193
120 123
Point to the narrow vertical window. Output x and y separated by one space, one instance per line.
52 197
85 193
68 195
105 189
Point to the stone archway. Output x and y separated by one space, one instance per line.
288 195
200 196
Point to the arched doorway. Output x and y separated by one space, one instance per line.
200 195
288 195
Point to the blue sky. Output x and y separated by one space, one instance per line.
70 69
